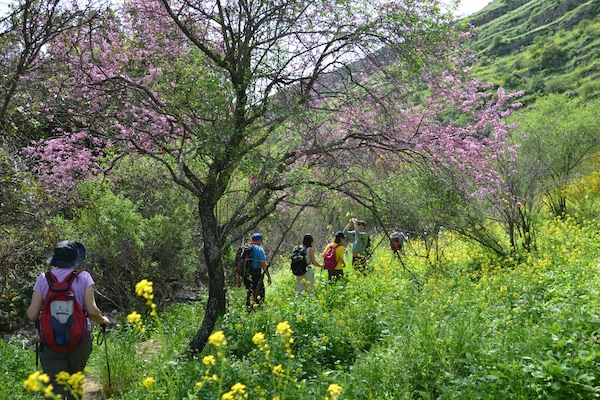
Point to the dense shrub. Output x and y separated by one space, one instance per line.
124 246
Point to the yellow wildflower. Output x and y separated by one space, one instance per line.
62 378
76 383
278 370
144 289
238 388
148 383
283 328
49 391
238 391
217 339
135 319
334 389
36 381
258 338
209 360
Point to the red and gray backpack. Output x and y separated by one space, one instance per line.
63 323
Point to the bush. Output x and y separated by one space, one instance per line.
123 245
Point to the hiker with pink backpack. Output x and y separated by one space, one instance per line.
333 257
62 301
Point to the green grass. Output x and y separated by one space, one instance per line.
475 327
538 47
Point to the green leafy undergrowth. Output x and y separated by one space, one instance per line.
475 328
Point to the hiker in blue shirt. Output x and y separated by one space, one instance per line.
254 282
360 242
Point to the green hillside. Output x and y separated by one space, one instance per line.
540 46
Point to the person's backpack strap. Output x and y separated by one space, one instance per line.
72 276
50 278
69 280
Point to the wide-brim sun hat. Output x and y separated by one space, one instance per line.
67 254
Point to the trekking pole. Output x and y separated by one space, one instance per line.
36 325
106 354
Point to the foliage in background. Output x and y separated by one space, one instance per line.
556 136
584 191
148 236
25 235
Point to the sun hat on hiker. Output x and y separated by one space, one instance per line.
67 254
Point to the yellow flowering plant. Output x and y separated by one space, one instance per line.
40 382
144 288
237 392
334 391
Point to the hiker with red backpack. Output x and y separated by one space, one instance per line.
333 257
62 303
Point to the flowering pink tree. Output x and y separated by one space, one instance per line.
245 102
25 30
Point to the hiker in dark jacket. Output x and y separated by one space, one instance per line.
306 282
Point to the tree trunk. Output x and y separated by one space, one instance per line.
216 306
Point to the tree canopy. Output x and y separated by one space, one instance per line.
246 103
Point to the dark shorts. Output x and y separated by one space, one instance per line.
359 263
334 274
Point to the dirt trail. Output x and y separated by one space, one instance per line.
92 388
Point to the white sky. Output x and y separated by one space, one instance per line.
468 7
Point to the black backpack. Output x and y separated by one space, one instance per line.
243 260
299 263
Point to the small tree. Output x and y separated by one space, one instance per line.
559 136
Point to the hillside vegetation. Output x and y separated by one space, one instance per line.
540 46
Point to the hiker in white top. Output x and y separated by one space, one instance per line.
306 282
